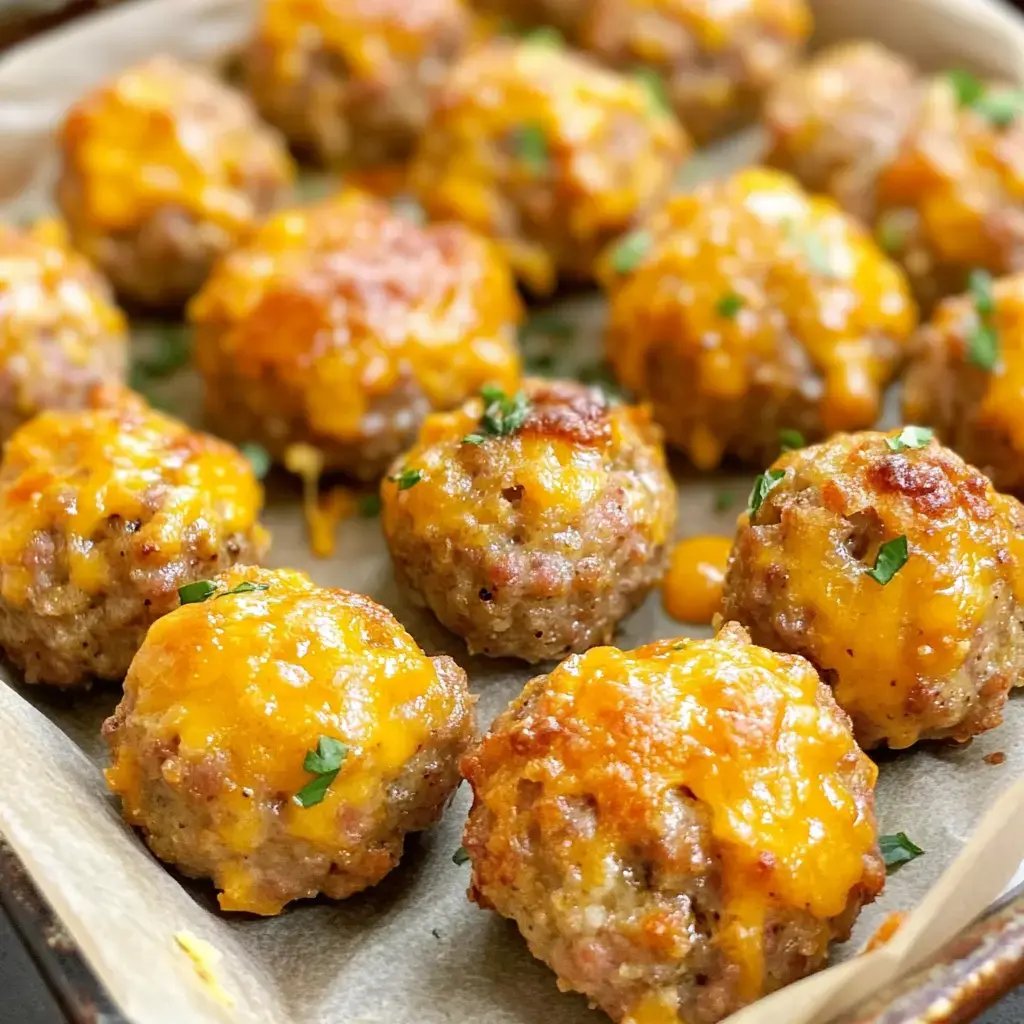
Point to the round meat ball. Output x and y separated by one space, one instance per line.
897 570
282 739
532 524
162 170
676 830
746 308
351 82
966 378
104 514
836 121
342 325
547 153
61 335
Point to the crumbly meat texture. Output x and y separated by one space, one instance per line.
748 307
547 153
836 121
976 408
162 171
652 867
211 776
341 325
105 513
351 82
933 652
536 544
61 335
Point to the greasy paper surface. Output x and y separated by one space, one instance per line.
413 949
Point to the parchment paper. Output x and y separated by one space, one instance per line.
413 949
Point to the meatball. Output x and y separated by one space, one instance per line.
676 830
104 513
547 153
896 570
351 81
282 739
60 333
532 524
342 325
835 122
747 307
966 378
163 170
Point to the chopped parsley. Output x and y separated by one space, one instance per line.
259 459
407 478
630 252
968 88
324 763
654 85
910 437
791 439
460 856
532 147
891 557
369 506
1000 106
983 341
546 36
893 229
898 850
724 500
197 592
729 305
171 353
502 415
763 485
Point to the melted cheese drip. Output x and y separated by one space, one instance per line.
254 680
692 589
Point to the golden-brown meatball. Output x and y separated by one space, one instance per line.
547 153
60 333
898 571
532 524
352 81
282 739
747 307
163 169
966 378
342 325
676 830
836 121
104 513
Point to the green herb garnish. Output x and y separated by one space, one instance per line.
546 36
1000 106
892 230
197 592
628 254
245 587
654 85
983 341
259 458
724 500
790 439
729 305
369 506
898 850
910 437
171 353
407 478
502 415
891 557
460 856
532 146
968 88
765 482
324 763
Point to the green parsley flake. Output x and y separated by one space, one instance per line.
1000 106
983 341
460 856
245 587
893 229
891 557
791 439
910 437
630 252
369 506
654 85
763 485
547 36
532 146
197 592
259 458
407 478
968 88
324 763
171 353
724 500
502 415
729 305
898 850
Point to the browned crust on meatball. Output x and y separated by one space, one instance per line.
562 409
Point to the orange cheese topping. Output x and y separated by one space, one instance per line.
795 267
254 680
692 588
344 301
886 644
68 473
543 151
750 733
166 135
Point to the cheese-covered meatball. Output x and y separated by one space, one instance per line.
282 739
60 333
748 307
352 81
104 513
531 524
836 121
545 152
162 170
898 571
966 378
342 325
676 830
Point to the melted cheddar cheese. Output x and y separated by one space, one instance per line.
250 682
752 740
692 588
166 136
546 153
799 275
343 302
66 475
